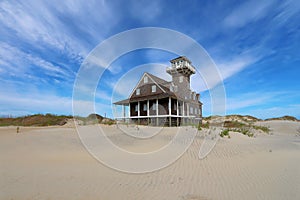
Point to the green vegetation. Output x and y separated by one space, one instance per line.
263 128
225 133
205 125
286 117
35 120
199 127
53 120
233 124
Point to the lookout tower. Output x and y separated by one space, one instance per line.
181 70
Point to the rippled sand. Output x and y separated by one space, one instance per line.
51 163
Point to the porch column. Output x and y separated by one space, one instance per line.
138 108
148 112
183 113
138 113
129 110
156 107
169 106
123 108
148 109
177 109
170 112
188 109
188 112
156 112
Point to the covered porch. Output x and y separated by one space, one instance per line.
165 111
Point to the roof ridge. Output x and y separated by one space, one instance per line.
156 77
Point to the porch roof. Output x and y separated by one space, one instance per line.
122 102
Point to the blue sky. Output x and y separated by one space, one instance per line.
255 45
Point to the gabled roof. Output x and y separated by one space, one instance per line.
161 83
157 79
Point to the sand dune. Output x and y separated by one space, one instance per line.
51 163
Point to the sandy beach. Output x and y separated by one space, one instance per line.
51 163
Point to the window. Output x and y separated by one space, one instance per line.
191 110
175 106
145 107
138 91
180 79
196 111
154 106
136 108
153 88
146 79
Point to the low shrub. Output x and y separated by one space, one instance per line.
225 133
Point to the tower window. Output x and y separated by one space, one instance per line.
146 79
138 91
153 88
180 79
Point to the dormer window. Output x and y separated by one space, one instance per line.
146 79
138 91
153 88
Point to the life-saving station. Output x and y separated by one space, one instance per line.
158 102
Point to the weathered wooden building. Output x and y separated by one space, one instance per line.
155 101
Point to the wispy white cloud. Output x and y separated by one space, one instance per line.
226 69
247 12
150 10
276 111
65 28
252 99
287 10
15 61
